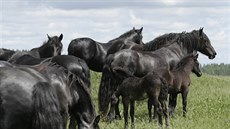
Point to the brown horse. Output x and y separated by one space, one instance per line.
181 81
178 80
134 88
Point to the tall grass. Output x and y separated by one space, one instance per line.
208 106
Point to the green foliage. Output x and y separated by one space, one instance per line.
216 69
208 106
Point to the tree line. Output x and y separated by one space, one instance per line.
216 69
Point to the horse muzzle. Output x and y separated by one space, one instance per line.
199 74
212 56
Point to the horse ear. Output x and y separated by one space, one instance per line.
70 77
201 31
60 37
48 36
97 119
194 53
141 29
196 56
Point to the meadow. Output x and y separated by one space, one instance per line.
208 106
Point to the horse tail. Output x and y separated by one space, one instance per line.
46 107
164 90
104 90
109 82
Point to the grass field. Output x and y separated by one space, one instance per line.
208 106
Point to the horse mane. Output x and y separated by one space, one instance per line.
159 41
186 38
126 34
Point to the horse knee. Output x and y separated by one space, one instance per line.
114 99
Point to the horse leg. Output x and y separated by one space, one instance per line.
157 109
184 101
64 115
172 103
150 109
165 112
114 101
125 102
72 123
117 111
132 104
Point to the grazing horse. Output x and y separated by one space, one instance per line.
94 53
28 100
67 89
181 81
50 48
140 63
80 104
134 88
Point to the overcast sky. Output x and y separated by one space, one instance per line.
25 23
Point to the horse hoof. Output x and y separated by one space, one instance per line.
132 126
118 117
110 119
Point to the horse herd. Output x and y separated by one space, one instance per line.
42 89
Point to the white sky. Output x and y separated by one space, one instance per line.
25 23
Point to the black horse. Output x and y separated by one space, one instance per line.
136 63
28 101
80 105
44 94
50 48
94 53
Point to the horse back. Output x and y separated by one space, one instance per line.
82 47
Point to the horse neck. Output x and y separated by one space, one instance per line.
190 41
85 105
44 52
187 68
128 36
106 46
178 50
160 41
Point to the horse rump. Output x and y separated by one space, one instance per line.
46 107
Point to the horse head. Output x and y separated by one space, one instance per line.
205 45
137 36
82 107
54 44
196 66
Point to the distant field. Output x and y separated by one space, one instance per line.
208 106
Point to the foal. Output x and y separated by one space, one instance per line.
181 81
134 88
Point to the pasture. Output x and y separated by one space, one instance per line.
208 106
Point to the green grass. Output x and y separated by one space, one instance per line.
208 106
